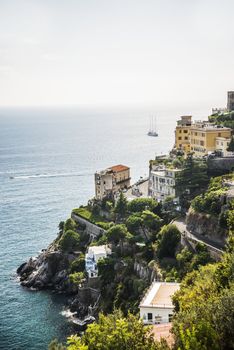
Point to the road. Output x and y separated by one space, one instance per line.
181 225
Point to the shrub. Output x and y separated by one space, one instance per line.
78 265
69 224
69 241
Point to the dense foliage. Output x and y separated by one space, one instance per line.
205 304
114 332
225 119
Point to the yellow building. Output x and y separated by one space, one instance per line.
182 134
203 137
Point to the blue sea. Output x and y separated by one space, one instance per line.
47 162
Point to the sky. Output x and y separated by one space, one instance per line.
116 53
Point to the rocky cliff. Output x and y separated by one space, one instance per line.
206 225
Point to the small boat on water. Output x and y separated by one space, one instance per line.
153 129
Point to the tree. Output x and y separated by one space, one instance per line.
193 177
121 205
169 237
117 233
140 204
151 220
134 223
114 332
69 241
230 147
69 224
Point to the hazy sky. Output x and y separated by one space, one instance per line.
116 52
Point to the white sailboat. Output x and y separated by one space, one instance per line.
152 130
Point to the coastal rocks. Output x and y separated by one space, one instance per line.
48 270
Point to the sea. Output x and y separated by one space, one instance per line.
48 157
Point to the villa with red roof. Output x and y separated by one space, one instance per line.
109 182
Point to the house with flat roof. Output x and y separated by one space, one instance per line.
156 307
204 135
110 181
93 255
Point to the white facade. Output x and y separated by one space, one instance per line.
92 257
162 183
222 144
156 306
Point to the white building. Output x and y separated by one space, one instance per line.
92 257
156 306
162 181
222 144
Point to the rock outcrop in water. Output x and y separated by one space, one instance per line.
47 271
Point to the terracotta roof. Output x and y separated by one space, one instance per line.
118 168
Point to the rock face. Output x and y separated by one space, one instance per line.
207 226
47 271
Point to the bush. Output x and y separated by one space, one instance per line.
76 278
69 241
78 265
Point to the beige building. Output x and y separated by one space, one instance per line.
222 144
203 137
156 306
162 182
110 181
182 134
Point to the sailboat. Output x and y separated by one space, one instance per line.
152 130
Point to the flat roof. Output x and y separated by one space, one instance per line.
159 295
118 168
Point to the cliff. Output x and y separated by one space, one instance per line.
206 225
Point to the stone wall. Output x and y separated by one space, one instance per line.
91 229
220 166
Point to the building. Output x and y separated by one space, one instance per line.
94 254
156 306
203 137
110 181
222 144
230 101
182 134
162 182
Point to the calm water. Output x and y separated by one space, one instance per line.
52 156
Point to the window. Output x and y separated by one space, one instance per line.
170 317
219 134
185 131
186 138
180 131
180 138
150 316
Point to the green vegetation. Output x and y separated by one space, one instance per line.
210 202
69 241
139 204
225 119
91 216
231 145
121 205
192 179
78 265
205 304
76 278
114 332
168 239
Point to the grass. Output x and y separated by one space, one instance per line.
88 215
